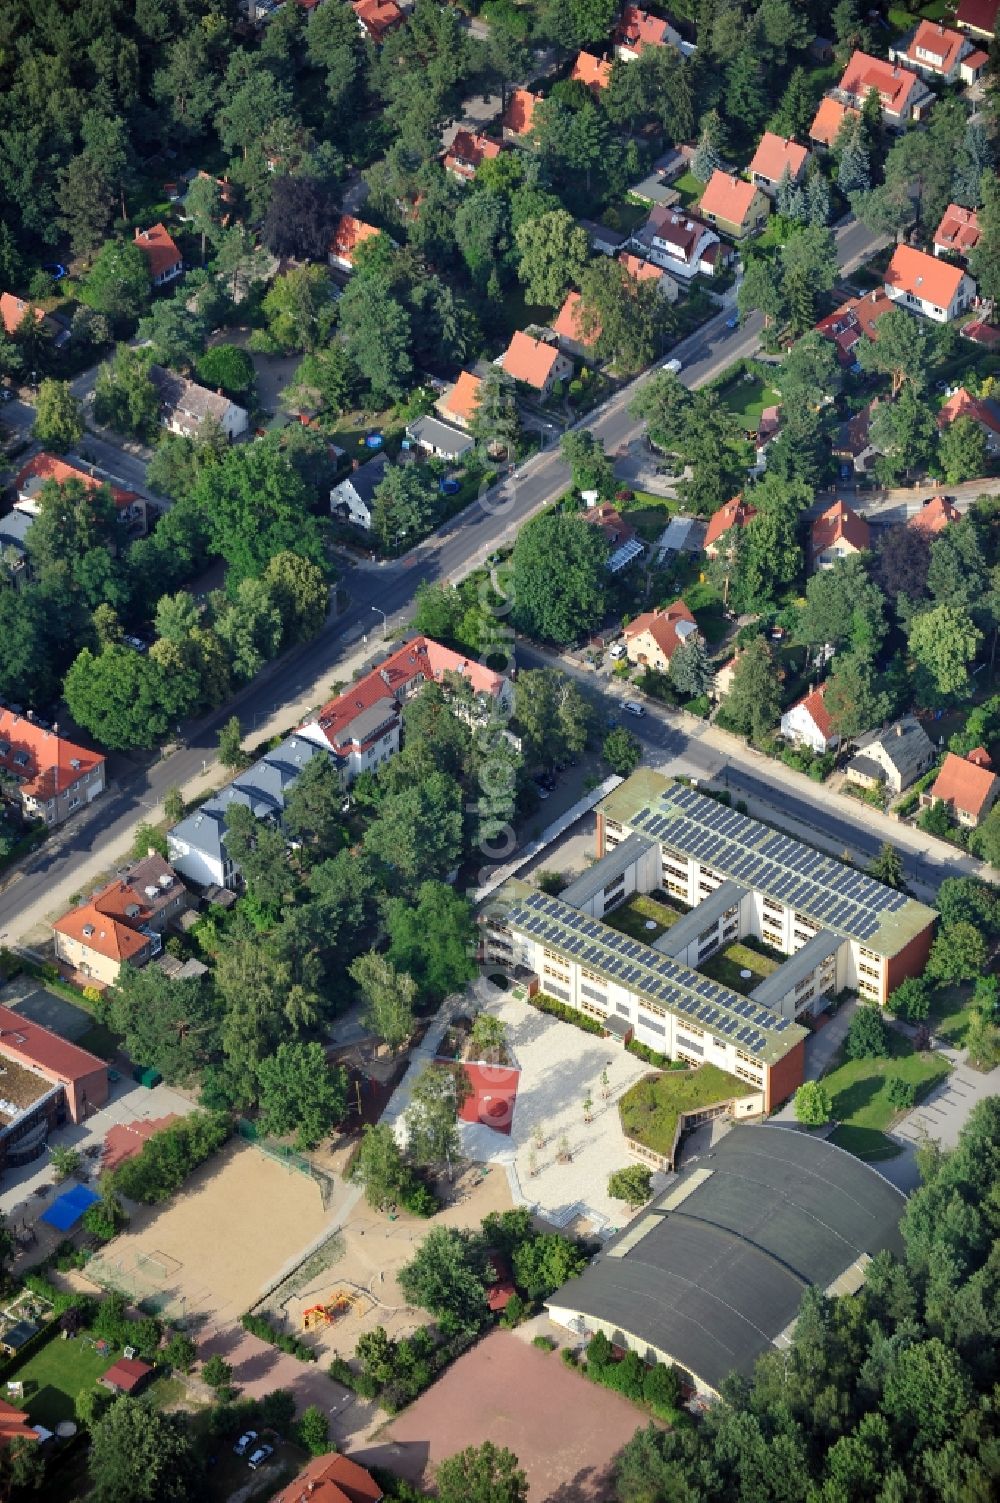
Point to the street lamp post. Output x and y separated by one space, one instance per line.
385 623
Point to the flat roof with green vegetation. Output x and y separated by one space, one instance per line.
55 1374
859 1095
729 964
636 917
650 1110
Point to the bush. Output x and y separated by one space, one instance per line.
516 1310
543 1343
569 1357
911 1000
701 706
901 1093
314 1431
283 1340
555 1009
170 1156
343 1373
866 1036
633 1184
661 1390
418 1198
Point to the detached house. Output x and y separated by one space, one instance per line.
123 923
984 412
622 542
377 18
352 498
958 233
682 244
646 271
925 285
160 250
637 30
902 94
466 152
735 207
185 406
934 516
853 322
837 533
652 638
536 362
735 513
978 18
517 117
348 235
892 759
853 441
54 777
935 51
14 310
776 155
828 120
593 72
967 787
130 507
567 327
459 403
808 723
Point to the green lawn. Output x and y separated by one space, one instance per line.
633 917
859 1096
650 1109
747 399
625 216
689 188
951 1010
54 1376
649 514
727 964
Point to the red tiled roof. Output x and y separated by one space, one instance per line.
468 150
963 404
127 1139
963 785
100 932
592 71
160 249
421 657
610 521
49 768
378 17
463 399
775 153
643 271
735 513
13 309
815 707
958 231
638 29
49 467
29 1042
520 109
14 1425
126 1374
828 120
662 627
331 1479
914 271
530 360
978 15
839 521
349 234
893 84
941 43
853 321
935 516
727 197
567 325
980 756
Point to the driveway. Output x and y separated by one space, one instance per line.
821 1051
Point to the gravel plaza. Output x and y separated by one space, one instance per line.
559 1065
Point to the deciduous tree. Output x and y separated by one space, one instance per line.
299 1092
482 1474
388 998
58 416
812 1104
552 253
559 577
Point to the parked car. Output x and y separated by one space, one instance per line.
633 708
6 395
733 322
259 1457
674 365
244 1442
541 789
618 651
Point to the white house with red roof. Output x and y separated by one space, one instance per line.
776 155
646 271
362 727
54 776
652 638
569 329
978 18
518 117
902 93
466 152
958 233
735 513
376 18
967 786
593 72
837 533
808 723
734 206
160 249
923 284
934 516
680 243
458 404
637 29
349 233
828 121
539 363
935 51
983 411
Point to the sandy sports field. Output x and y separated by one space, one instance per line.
212 1249
564 1430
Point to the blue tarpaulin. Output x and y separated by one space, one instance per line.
67 1210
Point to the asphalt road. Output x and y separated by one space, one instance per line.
448 555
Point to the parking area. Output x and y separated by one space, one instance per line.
946 1110
555 1159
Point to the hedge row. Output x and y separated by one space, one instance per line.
565 1014
265 1331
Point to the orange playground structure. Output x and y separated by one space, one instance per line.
342 1302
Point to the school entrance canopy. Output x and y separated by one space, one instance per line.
67 1210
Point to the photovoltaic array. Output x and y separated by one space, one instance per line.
736 846
669 984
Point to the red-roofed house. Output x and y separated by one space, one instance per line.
776 155
608 518
978 17
160 250
958 233
54 775
828 120
517 117
41 468
466 152
127 1375
926 285
984 412
13 310
331 1479
968 789
902 93
459 403
935 515
568 327
652 638
735 207
854 321
593 72
645 271
808 723
123 922
681 243
377 18
735 513
536 362
14 1425
837 533
934 51
362 726
83 1077
637 29
853 439
349 234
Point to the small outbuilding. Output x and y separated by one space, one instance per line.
127 1375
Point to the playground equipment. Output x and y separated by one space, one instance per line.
341 1303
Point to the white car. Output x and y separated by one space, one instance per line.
618 651
632 708
674 365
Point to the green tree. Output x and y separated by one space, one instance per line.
58 416
378 338
139 1454
228 367
231 753
959 953
943 641
553 716
203 208
962 451
118 283
986 840
853 699
488 1037
175 333
559 575
809 371
622 751
691 671
447 1276
552 253
313 808
753 704
255 505
217 1373
118 696
65 1162
632 1184
544 1263
170 1025
866 1035
482 1474
813 1107
432 1116
591 468
901 1093
299 590
887 867
627 318
299 1092
405 505
904 433
180 1352
313 1431
495 423
299 309
982 1040
380 1166
124 395
433 940
902 351
418 832
388 997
